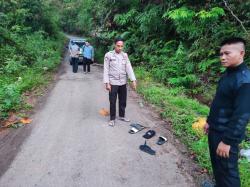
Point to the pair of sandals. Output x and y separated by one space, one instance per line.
136 127
145 148
149 134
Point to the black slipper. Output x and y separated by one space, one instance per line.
149 134
145 148
161 140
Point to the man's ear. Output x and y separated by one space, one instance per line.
242 53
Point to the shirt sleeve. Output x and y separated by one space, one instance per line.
129 70
235 132
106 69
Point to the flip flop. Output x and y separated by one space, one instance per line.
161 140
137 126
149 134
133 130
145 148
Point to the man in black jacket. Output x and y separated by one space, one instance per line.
229 114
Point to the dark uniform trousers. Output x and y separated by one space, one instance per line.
86 62
225 170
75 64
121 91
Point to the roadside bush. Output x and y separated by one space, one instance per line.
28 69
14 66
10 97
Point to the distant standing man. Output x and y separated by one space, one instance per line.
88 56
116 68
74 52
229 114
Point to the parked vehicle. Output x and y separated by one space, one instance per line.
80 43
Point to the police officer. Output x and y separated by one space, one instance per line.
229 114
116 69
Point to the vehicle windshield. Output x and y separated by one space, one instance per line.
80 43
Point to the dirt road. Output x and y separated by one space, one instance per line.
70 144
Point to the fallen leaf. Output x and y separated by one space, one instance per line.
26 120
204 171
198 126
104 112
193 156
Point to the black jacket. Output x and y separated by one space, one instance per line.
230 109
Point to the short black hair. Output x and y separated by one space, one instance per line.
118 39
233 40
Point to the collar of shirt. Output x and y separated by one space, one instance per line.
119 56
237 68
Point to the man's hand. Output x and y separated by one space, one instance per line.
108 87
206 128
223 150
134 85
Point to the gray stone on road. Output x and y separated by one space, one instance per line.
71 144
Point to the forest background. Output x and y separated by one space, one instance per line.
173 46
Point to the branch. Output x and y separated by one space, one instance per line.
241 23
106 17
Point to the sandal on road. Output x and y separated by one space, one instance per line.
145 148
161 140
149 134
112 123
133 130
137 126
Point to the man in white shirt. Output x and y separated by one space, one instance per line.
116 69
74 52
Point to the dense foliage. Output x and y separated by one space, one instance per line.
30 44
176 40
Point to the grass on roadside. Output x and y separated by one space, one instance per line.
183 112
